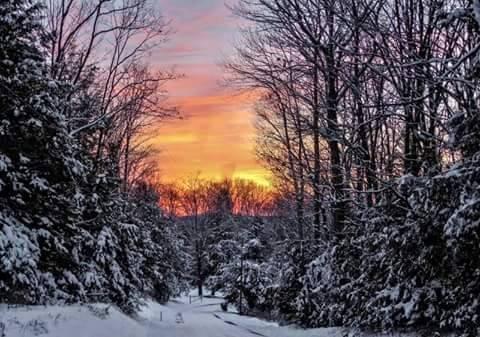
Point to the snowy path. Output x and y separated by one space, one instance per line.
206 319
199 320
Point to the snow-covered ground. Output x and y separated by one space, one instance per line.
200 319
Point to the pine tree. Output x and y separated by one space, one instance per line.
39 167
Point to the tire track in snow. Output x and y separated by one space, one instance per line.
239 326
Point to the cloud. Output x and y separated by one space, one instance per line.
217 136
217 139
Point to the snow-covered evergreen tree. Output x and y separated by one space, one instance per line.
67 231
40 168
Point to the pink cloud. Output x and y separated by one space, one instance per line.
217 136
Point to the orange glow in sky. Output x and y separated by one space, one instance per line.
215 139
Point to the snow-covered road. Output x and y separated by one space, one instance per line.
206 319
199 320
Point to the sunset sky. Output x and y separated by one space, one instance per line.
216 136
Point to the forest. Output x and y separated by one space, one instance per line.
367 115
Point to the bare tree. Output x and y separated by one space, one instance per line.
301 45
102 47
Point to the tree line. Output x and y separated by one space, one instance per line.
368 119
79 209
207 212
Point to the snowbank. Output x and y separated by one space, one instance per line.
69 321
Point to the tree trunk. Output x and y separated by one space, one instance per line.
199 270
334 134
317 204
